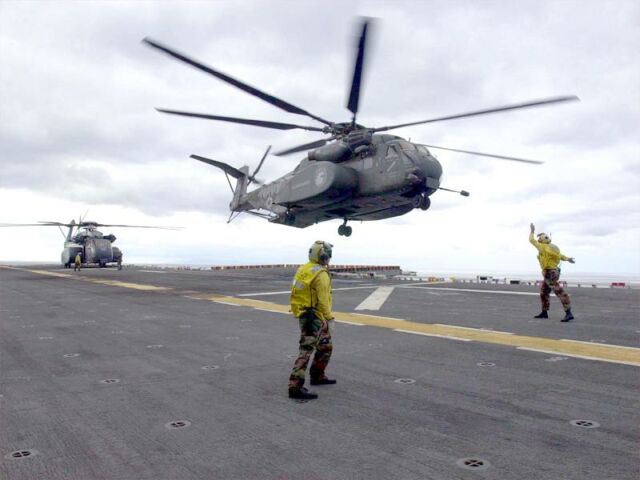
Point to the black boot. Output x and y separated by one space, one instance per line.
568 316
322 381
542 314
302 394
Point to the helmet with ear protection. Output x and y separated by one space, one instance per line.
544 238
320 251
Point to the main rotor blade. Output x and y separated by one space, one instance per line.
133 226
500 157
236 83
536 103
43 224
354 94
245 121
302 148
93 224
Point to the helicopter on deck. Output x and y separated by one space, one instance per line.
356 173
93 246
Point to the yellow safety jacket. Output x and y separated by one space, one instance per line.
549 255
312 288
78 259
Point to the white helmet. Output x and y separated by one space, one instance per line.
320 252
544 238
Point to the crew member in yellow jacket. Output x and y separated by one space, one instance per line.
549 257
311 305
77 262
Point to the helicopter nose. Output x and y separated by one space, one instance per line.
432 171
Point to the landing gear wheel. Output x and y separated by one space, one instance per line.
345 230
289 218
425 203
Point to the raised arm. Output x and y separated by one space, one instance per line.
532 239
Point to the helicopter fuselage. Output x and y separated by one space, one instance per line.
356 173
93 246
383 178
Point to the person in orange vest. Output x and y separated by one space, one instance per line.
550 257
311 305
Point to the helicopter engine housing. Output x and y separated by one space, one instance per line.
342 150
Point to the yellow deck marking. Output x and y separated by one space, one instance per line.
113 283
570 348
52 274
134 286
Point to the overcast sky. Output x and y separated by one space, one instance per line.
78 129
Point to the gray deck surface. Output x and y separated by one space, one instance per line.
514 416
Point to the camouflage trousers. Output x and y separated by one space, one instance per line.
314 335
551 282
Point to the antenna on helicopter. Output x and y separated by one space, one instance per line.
464 193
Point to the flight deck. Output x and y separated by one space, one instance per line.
150 373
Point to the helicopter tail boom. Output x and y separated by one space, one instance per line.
242 180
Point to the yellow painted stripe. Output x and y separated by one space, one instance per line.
113 283
51 274
134 286
570 348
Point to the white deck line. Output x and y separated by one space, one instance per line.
379 316
350 323
487 330
228 303
599 344
450 337
376 299
268 310
497 292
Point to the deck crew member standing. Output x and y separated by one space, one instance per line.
549 257
77 262
311 305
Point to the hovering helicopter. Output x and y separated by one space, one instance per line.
93 246
356 173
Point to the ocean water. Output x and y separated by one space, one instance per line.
596 278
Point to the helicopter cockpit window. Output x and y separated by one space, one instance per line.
422 149
407 146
